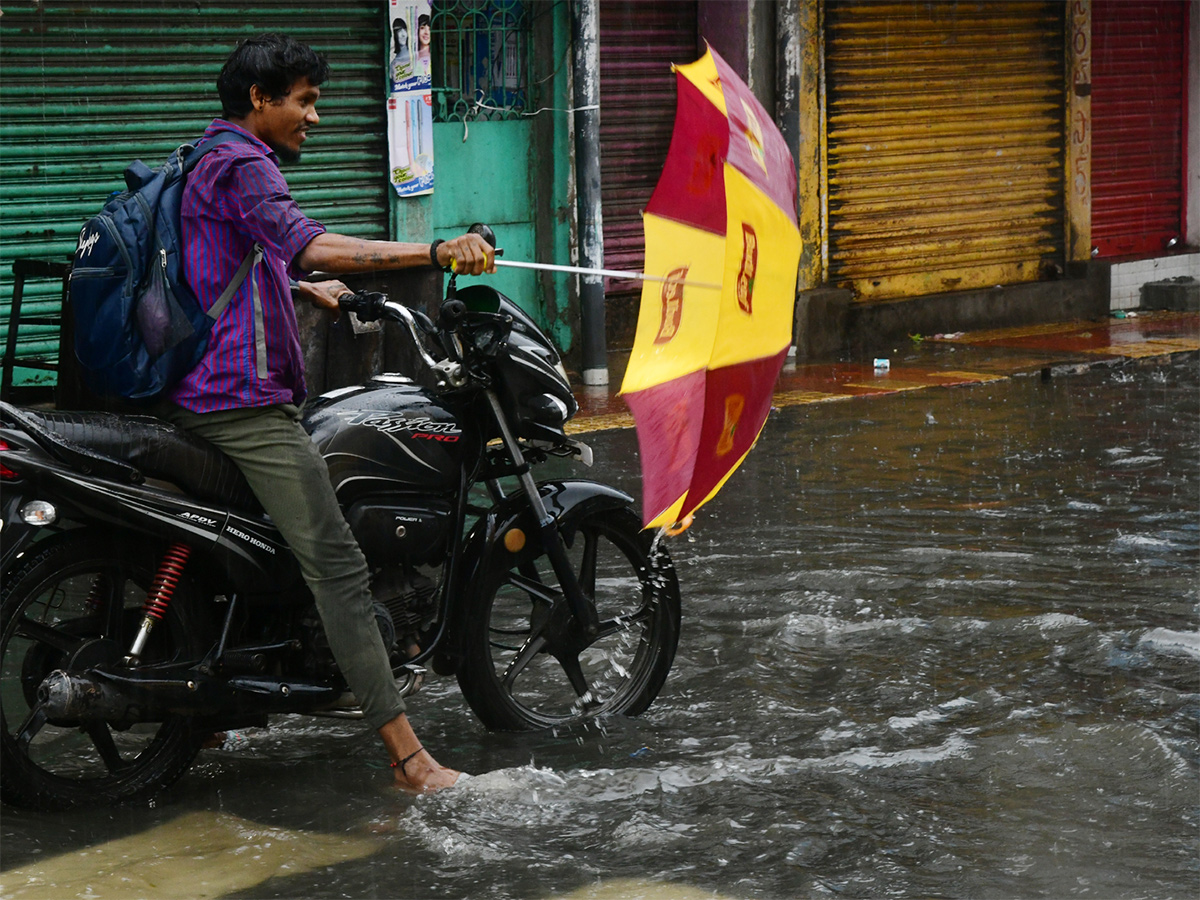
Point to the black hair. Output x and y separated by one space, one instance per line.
274 62
398 25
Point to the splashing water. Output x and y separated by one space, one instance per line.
936 644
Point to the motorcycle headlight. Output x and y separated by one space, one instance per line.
546 409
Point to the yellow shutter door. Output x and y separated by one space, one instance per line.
944 145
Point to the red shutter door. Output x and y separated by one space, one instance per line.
1139 76
638 43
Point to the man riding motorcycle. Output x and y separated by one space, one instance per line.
245 394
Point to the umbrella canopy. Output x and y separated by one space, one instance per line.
706 358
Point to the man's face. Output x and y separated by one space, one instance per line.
283 122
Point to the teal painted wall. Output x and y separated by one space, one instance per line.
515 176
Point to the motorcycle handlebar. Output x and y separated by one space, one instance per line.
367 305
452 314
370 305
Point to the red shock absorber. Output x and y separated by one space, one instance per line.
170 570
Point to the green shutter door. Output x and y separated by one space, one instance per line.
87 90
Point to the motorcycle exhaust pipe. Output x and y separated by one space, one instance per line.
69 697
77 698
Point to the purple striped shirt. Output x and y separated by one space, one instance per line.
236 197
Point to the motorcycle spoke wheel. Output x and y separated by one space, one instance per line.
75 592
528 665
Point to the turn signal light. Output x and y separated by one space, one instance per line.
39 512
514 540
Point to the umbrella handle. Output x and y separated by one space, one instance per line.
610 273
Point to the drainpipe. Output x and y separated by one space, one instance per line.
585 44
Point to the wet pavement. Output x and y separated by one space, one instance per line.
947 360
937 643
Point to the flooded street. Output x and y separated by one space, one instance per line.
938 644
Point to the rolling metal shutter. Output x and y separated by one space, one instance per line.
638 43
1138 101
944 143
89 89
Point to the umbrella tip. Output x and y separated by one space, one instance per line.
681 526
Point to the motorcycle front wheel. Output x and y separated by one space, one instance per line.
528 667
76 599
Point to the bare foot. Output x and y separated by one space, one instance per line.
416 771
423 775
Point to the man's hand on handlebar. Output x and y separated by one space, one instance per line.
470 254
322 294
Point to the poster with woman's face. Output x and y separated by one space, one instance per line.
409 66
410 101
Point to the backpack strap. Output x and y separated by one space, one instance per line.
197 152
256 252
252 259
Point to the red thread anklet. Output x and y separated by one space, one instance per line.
404 762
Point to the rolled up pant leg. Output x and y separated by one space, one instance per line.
291 481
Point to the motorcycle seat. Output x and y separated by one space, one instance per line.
156 449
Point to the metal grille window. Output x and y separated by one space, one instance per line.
481 60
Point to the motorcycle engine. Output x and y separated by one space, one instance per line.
404 605
319 659
408 595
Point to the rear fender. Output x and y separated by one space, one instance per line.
245 551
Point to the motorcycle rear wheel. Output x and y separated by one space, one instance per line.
73 590
522 673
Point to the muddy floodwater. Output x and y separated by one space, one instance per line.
938 644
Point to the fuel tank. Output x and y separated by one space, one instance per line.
390 435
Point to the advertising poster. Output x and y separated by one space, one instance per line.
410 101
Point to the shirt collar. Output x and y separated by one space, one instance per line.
219 125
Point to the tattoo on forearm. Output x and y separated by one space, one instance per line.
371 258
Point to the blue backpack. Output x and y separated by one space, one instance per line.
138 326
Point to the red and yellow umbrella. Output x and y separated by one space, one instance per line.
706 358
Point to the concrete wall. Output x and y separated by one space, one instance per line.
829 325
335 355
1127 278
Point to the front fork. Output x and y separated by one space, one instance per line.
581 608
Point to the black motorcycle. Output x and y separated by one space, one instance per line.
148 602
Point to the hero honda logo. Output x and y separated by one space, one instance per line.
418 427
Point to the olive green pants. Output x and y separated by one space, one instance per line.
291 481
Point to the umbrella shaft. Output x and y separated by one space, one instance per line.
610 273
